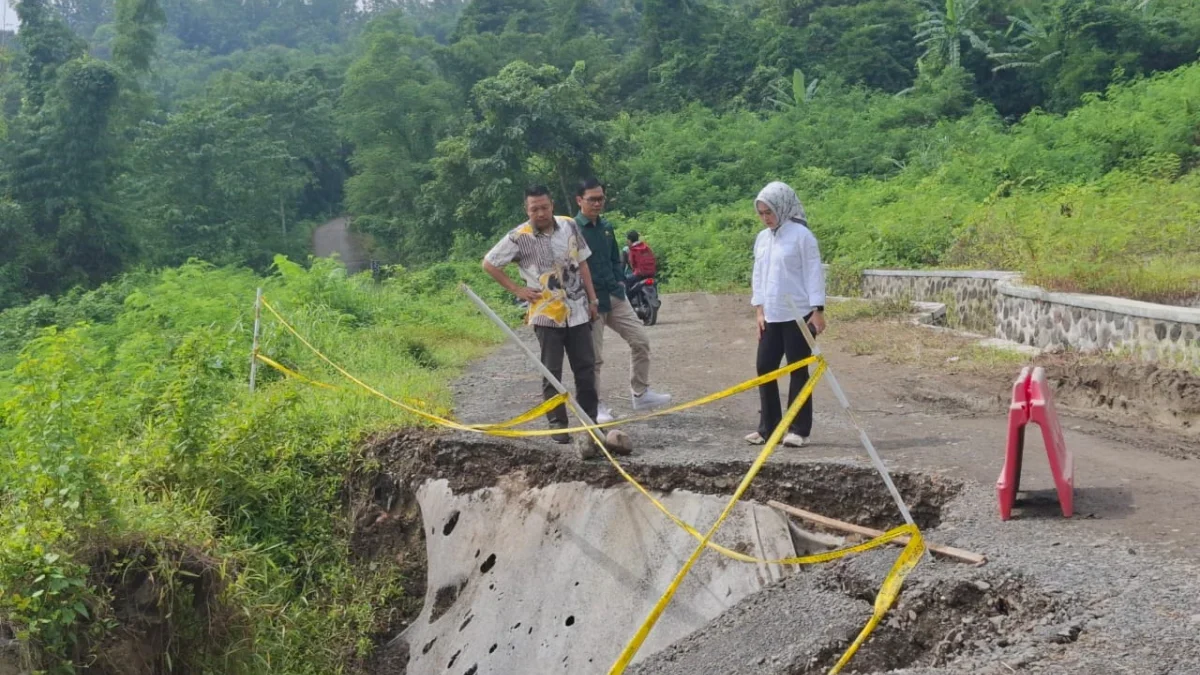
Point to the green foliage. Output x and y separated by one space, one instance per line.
712 250
534 125
434 114
137 427
220 179
225 26
844 278
866 43
46 597
60 170
392 110
943 29
696 158
1057 137
47 43
1099 200
1127 235
137 24
858 309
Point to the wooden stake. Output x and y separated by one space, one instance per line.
832 523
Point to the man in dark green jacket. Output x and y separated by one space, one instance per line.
615 312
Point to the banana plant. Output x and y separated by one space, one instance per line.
798 96
1032 47
943 28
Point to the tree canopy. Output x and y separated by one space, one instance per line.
148 132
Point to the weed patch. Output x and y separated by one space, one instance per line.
162 515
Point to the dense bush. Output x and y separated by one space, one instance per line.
130 440
1102 200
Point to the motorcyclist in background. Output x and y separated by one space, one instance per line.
639 260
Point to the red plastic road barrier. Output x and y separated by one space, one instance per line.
1032 402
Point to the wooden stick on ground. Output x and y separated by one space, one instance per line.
832 523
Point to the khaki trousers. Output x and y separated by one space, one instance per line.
625 322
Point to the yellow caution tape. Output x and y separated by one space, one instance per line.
502 430
909 557
560 399
891 586
725 393
635 643
293 374
527 416
531 414
730 553
404 406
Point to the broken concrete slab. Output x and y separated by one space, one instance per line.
562 575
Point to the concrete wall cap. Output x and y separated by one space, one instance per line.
959 274
1105 303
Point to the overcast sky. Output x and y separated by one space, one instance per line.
9 16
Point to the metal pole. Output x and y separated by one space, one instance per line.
254 348
862 435
483 307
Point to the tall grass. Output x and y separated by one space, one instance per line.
134 431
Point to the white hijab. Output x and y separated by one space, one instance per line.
783 202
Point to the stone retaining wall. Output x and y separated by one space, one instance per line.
970 297
1161 333
995 303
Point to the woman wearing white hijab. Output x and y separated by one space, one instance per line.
788 284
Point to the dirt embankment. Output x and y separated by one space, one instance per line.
1165 398
1126 399
1038 602
388 528
160 610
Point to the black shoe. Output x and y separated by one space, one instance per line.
561 439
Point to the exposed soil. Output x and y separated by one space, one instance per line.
409 458
1136 404
1163 398
940 620
388 526
1090 594
388 530
951 371
165 603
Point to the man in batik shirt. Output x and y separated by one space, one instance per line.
551 255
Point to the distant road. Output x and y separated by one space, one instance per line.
335 237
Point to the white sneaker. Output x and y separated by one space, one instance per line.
650 399
795 440
604 415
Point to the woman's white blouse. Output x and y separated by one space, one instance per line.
787 264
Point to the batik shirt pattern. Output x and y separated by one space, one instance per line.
549 262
